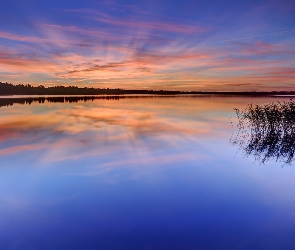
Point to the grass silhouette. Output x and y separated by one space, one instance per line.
267 131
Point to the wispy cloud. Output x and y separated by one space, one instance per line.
138 23
167 27
130 47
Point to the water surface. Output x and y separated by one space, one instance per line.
138 173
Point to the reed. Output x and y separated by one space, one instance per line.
267 131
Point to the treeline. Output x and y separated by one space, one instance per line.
57 99
7 101
21 89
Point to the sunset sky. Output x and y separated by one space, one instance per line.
175 45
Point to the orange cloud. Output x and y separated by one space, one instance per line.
140 58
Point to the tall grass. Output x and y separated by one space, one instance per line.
267 131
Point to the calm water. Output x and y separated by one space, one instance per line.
138 173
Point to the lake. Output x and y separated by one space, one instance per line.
138 173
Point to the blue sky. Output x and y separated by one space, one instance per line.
181 45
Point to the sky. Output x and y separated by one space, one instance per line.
212 45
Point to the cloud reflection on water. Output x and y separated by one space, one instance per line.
61 132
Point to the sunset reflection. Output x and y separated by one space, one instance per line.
91 128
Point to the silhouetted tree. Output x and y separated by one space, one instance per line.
20 89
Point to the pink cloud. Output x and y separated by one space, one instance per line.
11 62
137 23
160 25
15 37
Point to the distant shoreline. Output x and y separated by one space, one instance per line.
28 100
8 89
